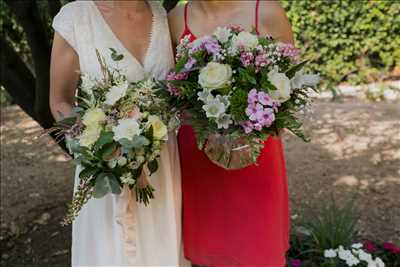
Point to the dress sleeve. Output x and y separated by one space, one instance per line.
63 23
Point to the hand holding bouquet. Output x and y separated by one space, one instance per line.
116 135
239 88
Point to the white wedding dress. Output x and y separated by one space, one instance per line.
115 230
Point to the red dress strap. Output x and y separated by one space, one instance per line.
187 31
256 22
185 17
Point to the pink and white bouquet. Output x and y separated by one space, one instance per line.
116 135
236 89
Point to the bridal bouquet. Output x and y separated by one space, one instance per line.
116 135
236 89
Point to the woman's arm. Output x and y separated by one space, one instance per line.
176 24
64 76
273 21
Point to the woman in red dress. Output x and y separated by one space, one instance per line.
233 217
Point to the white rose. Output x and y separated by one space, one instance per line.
282 84
116 92
214 108
246 40
222 34
160 130
126 128
93 117
215 75
89 136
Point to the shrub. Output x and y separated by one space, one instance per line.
357 41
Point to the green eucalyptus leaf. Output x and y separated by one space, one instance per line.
88 172
153 166
105 138
106 183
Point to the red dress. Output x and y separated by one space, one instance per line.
234 218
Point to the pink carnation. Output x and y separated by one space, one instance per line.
288 50
236 28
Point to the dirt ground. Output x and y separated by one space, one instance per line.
355 149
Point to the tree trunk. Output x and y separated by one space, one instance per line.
17 79
28 16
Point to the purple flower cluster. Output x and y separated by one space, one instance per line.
190 64
260 110
288 50
208 44
172 76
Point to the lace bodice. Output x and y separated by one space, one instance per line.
82 25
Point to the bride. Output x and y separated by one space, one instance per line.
115 230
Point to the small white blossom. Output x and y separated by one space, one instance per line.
205 96
122 161
214 108
224 121
330 253
116 92
127 178
357 245
222 34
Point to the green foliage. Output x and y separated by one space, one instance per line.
239 105
5 98
106 183
333 225
14 33
357 41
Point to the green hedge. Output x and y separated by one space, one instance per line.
353 40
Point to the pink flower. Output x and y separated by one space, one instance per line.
247 126
369 246
236 28
252 111
266 117
287 50
257 126
252 97
173 90
295 263
247 58
264 99
389 246
261 61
